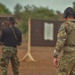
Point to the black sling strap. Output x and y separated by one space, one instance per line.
14 33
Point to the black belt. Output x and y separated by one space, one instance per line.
70 45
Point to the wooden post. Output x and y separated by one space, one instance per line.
28 54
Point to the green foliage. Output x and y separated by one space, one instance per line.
34 12
17 11
23 27
3 9
38 13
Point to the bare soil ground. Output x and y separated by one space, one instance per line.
43 64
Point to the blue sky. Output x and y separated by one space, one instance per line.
51 4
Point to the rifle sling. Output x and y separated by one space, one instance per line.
14 33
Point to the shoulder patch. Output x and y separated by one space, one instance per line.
62 27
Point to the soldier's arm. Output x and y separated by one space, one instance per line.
2 35
61 37
20 39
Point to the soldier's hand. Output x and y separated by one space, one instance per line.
55 62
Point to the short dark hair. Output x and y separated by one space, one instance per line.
69 12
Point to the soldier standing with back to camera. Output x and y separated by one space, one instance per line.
11 38
66 43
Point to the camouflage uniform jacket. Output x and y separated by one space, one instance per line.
65 36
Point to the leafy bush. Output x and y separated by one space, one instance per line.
23 27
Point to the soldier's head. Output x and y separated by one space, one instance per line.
11 20
69 12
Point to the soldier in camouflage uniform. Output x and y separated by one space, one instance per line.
66 43
11 38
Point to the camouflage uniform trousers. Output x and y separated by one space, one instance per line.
9 53
67 62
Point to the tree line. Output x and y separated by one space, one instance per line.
23 13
